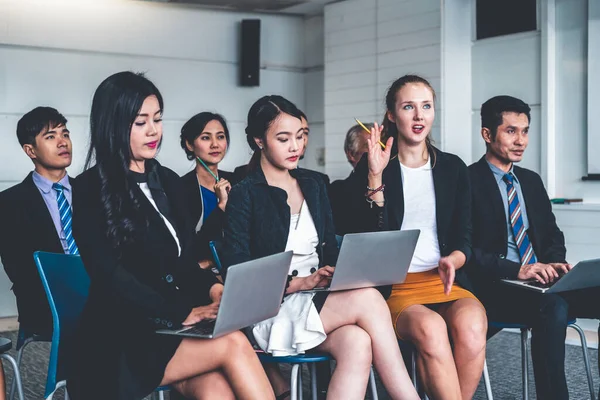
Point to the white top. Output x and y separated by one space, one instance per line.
303 239
297 327
419 213
146 191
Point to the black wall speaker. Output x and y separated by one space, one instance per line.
250 53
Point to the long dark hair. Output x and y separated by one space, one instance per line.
389 128
115 106
194 127
261 116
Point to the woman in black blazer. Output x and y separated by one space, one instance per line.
205 139
281 207
426 189
132 229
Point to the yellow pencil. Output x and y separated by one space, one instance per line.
369 132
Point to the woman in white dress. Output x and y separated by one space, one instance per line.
280 207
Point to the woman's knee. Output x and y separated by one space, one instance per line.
353 344
237 343
369 300
429 334
469 330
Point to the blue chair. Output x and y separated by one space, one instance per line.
66 283
498 326
309 359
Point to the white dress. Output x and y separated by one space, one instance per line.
297 327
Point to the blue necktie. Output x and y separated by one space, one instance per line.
516 221
66 220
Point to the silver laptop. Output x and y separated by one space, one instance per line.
583 275
373 259
253 293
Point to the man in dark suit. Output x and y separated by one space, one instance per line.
33 212
528 245
355 145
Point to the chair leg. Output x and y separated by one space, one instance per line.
294 382
19 357
486 381
17 374
524 363
586 359
373 385
313 380
300 392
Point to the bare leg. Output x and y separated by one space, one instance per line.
212 385
351 348
467 321
427 331
231 354
367 309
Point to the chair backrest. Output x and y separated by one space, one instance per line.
66 283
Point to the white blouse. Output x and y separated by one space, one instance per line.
419 213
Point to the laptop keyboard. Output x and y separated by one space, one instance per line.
205 328
545 285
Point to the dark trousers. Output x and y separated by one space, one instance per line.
547 315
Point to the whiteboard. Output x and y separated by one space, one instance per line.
593 110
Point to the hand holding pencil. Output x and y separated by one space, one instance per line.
379 154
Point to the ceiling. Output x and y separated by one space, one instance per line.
277 6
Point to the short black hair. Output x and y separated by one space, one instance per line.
493 109
194 127
36 121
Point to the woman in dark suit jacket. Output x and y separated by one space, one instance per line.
279 206
132 229
429 190
205 139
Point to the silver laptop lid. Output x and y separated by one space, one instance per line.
374 259
584 275
253 292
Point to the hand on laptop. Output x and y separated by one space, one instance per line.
201 313
447 272
320 278
544 273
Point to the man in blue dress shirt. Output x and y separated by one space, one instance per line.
35 214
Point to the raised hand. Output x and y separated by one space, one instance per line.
378 157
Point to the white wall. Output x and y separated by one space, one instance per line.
508 65
571 101
314 43
369 44
56 53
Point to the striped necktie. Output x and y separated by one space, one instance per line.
516 221
64 210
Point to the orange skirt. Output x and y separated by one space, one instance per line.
422 288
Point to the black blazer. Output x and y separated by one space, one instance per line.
26 227
339 193
489 261
257 219
135 290
452 199
213 225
